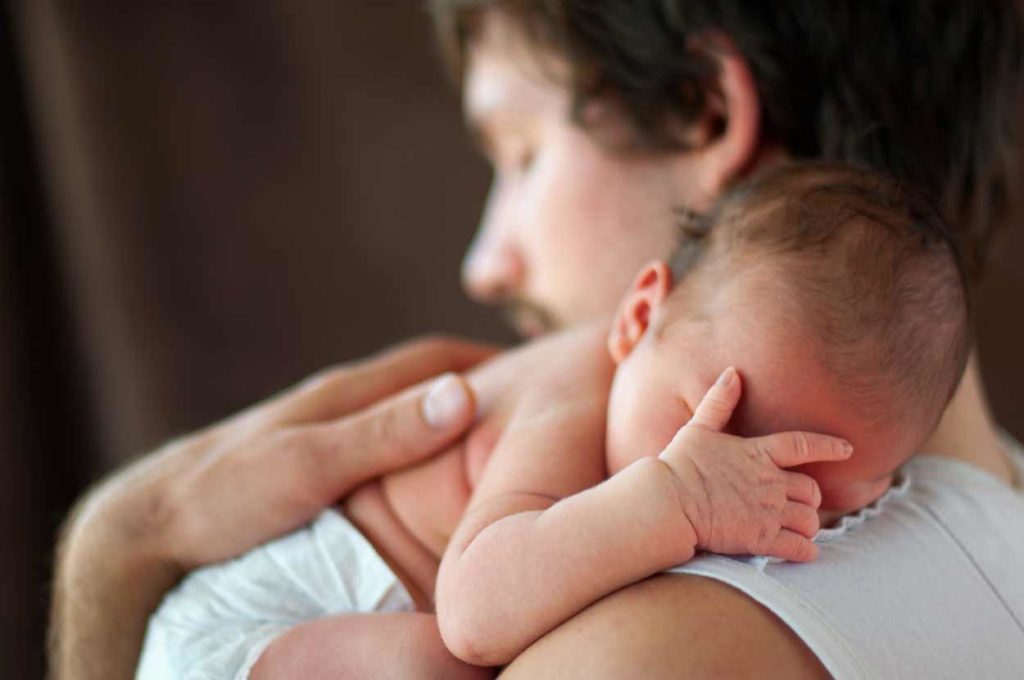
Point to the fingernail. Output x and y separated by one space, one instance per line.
728 375
847 448
445 402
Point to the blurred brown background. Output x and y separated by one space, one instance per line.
201 203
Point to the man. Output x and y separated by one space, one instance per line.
604 121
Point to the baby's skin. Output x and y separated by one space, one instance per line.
560 497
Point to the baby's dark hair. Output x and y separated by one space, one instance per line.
875 275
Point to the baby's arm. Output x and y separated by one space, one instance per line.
536 548
546 534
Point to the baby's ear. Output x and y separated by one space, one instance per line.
648 292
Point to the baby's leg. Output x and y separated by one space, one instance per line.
402 645
218 622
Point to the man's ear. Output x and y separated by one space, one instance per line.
728 135
648 292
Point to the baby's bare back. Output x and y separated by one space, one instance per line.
409 516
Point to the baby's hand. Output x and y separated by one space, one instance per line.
735 492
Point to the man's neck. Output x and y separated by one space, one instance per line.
967 431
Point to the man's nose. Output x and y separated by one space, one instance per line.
493 269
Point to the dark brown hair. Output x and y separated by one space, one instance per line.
927 91
874 278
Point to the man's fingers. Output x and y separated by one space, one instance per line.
220 503
800 518
339 391
789 449
393 434
715 409
802 489
789 545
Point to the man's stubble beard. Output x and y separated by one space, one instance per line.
528 319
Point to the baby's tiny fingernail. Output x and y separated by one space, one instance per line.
445 402
847 448
728 375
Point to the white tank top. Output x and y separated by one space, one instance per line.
928 582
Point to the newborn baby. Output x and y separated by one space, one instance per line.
838 299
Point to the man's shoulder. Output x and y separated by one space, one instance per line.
671 626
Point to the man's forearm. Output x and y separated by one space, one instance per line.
522 575
179 508
107 582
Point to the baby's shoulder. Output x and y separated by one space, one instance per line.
574 361
565 366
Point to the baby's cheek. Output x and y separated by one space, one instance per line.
644 412
845 493
621 443
639 433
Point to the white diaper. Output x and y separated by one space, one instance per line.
218 621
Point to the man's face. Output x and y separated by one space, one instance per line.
568 221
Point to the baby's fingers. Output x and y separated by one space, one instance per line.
791 546
802 489
800 518
715 409
789 449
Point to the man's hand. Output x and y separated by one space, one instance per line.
257 475
736 493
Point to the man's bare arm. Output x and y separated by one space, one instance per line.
668 627
351 645
107 582
221 491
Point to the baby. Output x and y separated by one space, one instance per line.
834 293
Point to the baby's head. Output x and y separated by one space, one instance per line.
836 293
